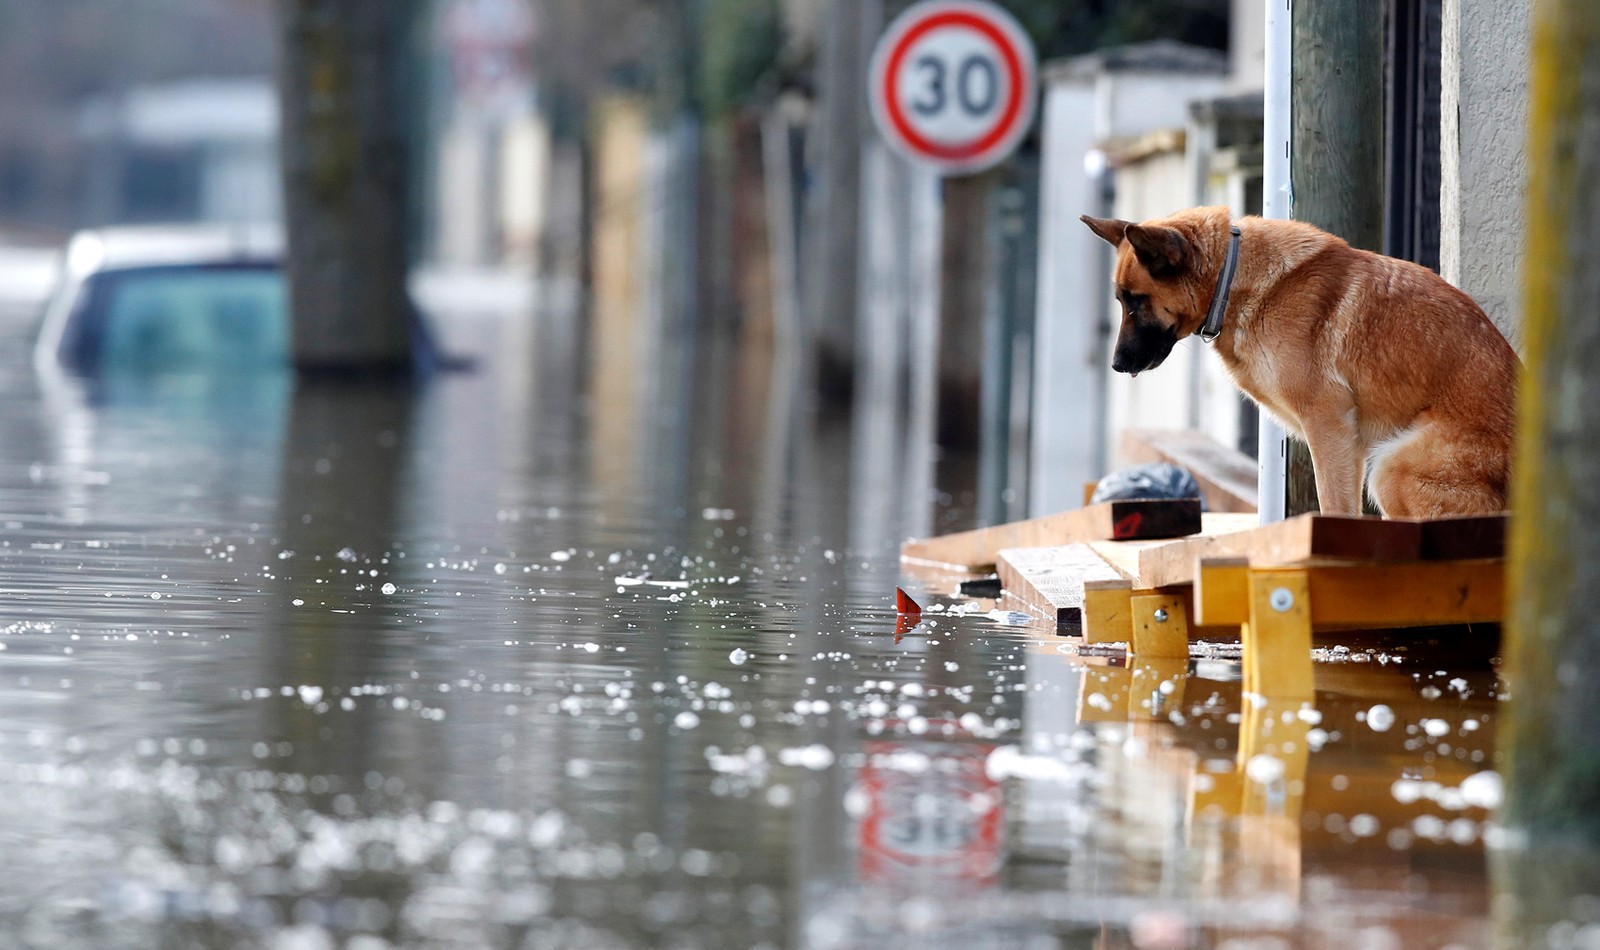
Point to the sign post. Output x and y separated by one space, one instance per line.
954 87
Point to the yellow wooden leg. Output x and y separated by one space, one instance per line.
1106 616
1214 794
1277 637
1160 626
1157 686
1103 694
1273 755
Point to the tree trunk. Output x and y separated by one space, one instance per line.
1553 638
1336 161
345 183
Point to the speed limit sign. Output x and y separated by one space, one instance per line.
954 83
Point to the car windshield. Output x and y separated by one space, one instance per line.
188 318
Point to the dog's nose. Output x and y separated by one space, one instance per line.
1118 364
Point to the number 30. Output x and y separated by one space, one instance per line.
977 85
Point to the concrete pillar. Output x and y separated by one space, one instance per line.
1547 864
1483 141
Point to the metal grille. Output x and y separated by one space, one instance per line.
1414 38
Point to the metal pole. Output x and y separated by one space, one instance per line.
1277 202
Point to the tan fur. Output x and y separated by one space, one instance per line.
1372 361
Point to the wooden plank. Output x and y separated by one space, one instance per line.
1367 596
1466 538
1306 538
1227 477
1124 555
1053 582
1116 520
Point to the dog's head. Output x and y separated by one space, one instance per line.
1162 294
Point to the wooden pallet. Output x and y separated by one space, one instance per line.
1061 584
1306 538
976 551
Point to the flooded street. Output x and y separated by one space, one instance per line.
599 651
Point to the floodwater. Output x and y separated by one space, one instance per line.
598 651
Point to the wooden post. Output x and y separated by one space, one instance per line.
963 285
1336 162
831 270
964 274
345 183
1553 643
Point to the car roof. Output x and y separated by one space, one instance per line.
128 247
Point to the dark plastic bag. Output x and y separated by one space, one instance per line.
1153 480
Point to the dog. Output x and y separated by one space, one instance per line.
1379 365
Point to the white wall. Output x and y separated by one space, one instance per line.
1081 110
1484 109
1065 400
1247 44
1170 397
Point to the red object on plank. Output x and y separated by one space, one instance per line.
904 604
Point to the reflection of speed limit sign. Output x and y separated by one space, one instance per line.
954 84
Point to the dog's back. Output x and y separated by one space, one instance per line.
1426 377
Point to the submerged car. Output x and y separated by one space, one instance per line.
176 298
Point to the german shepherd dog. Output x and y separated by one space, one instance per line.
1380 366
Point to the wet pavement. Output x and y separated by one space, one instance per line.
594 652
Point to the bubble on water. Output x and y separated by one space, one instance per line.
1159 930
686 720
1364 826
814 757
1264 769
298 602
310 695
780 796
579 768
1380 718
388 589
303 937
1436 727
1483 790
560 556
347 555
500 568
591 647
1406 790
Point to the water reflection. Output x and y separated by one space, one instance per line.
540 657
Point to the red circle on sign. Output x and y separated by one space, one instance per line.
897 115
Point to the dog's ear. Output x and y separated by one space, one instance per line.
1110 230
1162 251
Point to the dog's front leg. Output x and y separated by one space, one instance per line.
1337 458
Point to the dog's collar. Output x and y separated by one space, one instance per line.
1219 300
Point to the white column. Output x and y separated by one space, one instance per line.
1484 120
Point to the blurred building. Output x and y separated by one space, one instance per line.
82 80
198 150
